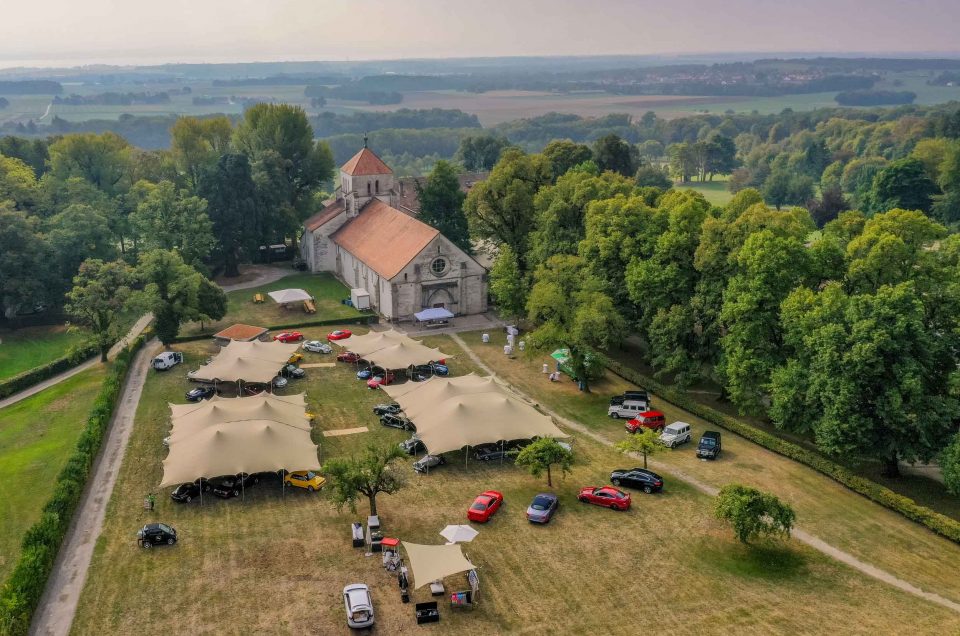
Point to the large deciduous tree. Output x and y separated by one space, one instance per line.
368 475
753 513
24 261
507 285
610 152
441 205
565 154
232 207
102 160
98 300
478 153
542 455
170 290
196 145
903 184
167 219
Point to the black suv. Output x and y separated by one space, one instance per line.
635 396
156 534
293 372
233 485
641 478
709 446
184 493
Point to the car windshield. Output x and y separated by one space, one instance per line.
618 495
165 528
309 475
540 503
477 505
708 441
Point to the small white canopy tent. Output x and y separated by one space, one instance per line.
285 296
433 313
430 563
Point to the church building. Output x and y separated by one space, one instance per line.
404 264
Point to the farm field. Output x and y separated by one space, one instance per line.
36 437
715 192
292 553
327 291
24 349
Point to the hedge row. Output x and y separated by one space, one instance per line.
358 320
22 590
935 521
35 375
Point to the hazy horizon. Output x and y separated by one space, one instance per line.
138 32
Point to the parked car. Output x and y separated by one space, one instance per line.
185 493
628 409
606 496
167 360
232 485
485 506
289 336
646 480
339 334
364 374
317 347
635 396
279 382
439 369
648 419
382 409
349 356
381 378
494 452
709 446
200 393
425 463
293 372
675 434
392 420
306 479
412 446
542 508
156 534
359 606
295 358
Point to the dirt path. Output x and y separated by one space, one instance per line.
811 540
135 331
62 594
255 276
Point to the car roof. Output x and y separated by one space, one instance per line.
651 414
711 434
548 495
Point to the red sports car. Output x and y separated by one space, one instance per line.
339 334
606 496
484 506
348 356
378 379
289 336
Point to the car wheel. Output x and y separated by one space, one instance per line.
311 489
236 493
187 499
616 482
615 416
647 489
256 480
146 544
582 499
171 541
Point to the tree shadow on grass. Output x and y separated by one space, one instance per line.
764 560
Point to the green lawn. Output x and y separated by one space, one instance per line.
277 564
30 347
715 192
36 437
326 289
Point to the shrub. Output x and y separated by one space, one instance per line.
882 495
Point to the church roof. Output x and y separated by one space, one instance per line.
365 162
324 215
384 238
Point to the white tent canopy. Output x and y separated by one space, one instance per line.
459 533
430 563
248 361
284 296
434 313
239 435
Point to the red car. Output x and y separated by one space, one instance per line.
606 496
289 336
648 419
378 379
484 506
339 334
348 356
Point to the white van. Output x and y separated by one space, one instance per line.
629 409
675 434
167 360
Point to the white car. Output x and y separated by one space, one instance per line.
317 347
675 434
167 360
359 605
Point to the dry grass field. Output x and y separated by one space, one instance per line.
276 565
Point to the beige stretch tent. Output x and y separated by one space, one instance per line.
362 345
433 562
451 413
391 349
247 361
239 435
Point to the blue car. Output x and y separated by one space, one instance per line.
364 374
439 369
542 507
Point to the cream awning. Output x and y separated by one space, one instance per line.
416 397
248 361
284 296
430 563
225 436
372 341
405 354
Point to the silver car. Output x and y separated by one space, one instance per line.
317 347
542 507
425 463
359 605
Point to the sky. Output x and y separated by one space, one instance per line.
76 32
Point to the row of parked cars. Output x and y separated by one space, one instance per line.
230 486
635 405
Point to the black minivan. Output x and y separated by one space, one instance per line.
709 446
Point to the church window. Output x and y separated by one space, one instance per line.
368 188
438 266
378 186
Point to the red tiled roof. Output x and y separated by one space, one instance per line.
365 162
324 215
243 333
384 238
